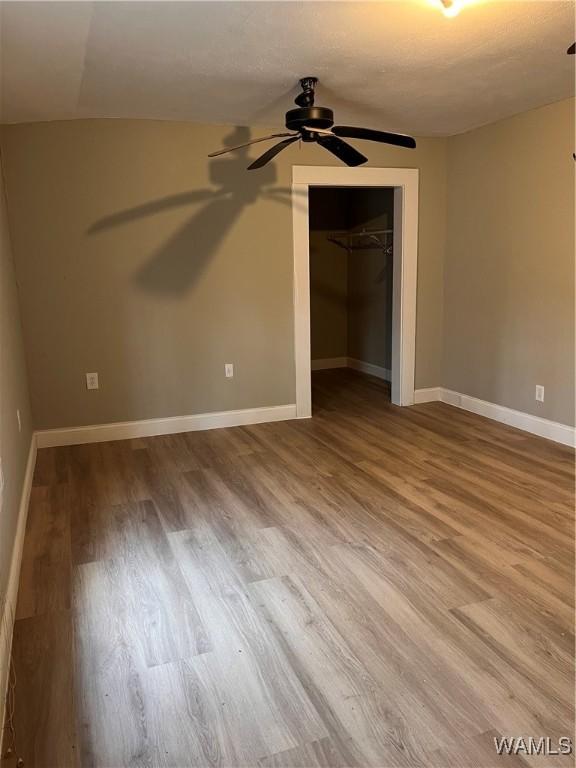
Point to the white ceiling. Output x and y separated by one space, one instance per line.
392 65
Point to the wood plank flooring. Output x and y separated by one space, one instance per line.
376 587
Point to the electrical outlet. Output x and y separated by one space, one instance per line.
19 419
229 370
92 381
539 393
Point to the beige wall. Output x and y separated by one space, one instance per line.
328 297
143 260
509 296
328 211
14 444
370 282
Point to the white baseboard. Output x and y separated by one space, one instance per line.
99 433
373 370
351 362
428 395
9 608
536 425
329 362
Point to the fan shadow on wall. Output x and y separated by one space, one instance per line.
173 268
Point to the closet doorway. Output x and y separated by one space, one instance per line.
355 253
351 232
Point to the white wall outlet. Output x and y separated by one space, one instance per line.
229 370
19 419
92 381
539 393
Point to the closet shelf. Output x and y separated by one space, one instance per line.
363 240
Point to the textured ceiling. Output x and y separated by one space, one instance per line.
391 65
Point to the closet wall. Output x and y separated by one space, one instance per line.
350 294
328 211
370 281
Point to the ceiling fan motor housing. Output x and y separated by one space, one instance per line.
315 117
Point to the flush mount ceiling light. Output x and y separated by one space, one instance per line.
450 8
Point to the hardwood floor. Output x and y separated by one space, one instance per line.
373 587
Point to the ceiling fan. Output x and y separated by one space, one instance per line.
310 123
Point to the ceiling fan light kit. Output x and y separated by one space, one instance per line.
310 123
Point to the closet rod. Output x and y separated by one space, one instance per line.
375 235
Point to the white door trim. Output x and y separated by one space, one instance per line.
405 183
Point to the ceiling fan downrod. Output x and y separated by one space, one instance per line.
306 98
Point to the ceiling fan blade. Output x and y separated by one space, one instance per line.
248 143
343 151
572 49
272 152
398 139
